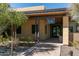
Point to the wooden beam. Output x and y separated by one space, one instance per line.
49 13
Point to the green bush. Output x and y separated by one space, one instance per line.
4 40
26 39
74 43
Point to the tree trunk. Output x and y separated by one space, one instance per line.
14 28
12 39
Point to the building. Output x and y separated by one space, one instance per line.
44 24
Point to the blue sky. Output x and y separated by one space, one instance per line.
47 5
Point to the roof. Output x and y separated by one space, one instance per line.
57 11
41 10
46 10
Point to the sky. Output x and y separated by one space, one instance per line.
47 5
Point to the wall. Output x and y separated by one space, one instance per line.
27 28
34 8
76 36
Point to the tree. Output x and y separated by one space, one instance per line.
11 17
17 19
4 17
74 12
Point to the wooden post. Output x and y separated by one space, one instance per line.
37 30
48 31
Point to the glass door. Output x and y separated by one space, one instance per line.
54 30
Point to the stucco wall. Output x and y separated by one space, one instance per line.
27 27
65 30
76 36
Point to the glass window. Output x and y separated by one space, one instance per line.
71 28
50 20
18 30
45 29
77 27
34 29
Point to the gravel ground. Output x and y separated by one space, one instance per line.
43 49
6 51
69 51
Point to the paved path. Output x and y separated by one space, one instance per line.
43 49
47 49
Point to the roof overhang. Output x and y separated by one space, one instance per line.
49 13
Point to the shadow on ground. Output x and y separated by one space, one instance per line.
43 48
52 40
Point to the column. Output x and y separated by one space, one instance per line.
65 30
37 29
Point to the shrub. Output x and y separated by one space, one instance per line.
74 43
4 40
27 39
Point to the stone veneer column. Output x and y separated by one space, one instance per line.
65 30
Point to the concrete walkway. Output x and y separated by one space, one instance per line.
47 49
43 49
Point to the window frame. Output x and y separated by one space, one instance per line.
34 28
77 25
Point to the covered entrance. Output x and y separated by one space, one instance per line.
55 30
52 26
